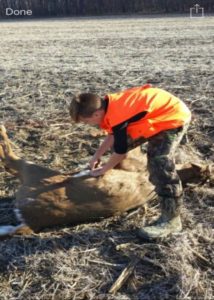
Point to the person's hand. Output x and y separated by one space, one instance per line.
98 172
94 162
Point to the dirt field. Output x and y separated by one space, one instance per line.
42 64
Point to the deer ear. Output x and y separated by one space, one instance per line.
3 129
5 148
3 133
2 155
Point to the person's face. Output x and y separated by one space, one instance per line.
95 119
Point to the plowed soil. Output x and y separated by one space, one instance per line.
45 62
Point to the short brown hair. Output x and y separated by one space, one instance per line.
84 105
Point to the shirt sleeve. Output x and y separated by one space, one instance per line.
120 133
120 138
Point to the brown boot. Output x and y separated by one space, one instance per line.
168 223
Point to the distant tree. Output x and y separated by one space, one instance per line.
43 8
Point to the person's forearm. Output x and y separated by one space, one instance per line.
114 160
106 144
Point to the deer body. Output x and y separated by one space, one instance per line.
47 198
61 199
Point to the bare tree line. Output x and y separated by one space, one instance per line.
42 8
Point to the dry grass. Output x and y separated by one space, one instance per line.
42 64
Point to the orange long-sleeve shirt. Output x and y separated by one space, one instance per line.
144 111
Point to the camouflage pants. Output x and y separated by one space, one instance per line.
161 164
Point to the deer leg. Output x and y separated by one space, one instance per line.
9 230
194 173
21 229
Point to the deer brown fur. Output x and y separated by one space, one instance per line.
48 198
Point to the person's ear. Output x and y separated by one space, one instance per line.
98 113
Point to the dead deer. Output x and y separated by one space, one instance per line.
48 198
